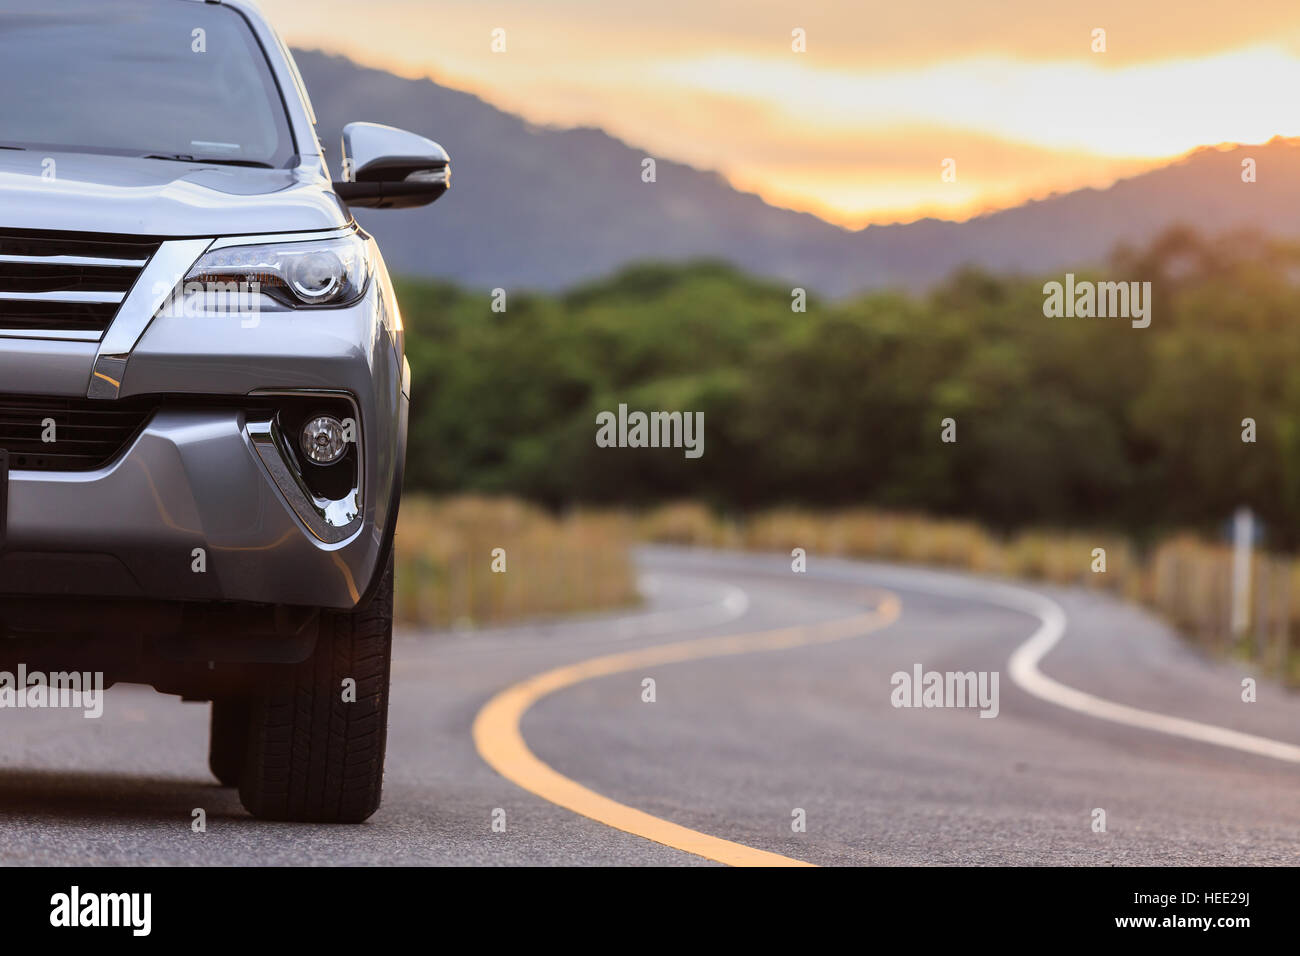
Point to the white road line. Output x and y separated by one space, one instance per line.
1024 661
732 603
1024 671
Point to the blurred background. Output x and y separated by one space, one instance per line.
921 174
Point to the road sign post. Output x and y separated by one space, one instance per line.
1243 533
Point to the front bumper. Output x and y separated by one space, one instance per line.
190 511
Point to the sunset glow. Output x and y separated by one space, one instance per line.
856 128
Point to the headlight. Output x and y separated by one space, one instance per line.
324 272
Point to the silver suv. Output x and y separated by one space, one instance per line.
203 391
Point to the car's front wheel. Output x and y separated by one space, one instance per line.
316 738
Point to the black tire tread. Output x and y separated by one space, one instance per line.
312 757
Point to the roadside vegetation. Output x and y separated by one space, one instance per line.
1070 423
582 562
826 426
547 565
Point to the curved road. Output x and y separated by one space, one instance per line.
772 695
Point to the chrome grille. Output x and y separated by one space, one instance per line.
66 285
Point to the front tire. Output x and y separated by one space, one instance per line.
312 755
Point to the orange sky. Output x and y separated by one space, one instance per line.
857 127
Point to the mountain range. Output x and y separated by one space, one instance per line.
546 208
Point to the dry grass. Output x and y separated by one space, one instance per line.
444 557
909 539
582 562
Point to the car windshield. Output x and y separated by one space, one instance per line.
139 78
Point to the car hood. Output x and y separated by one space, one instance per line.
81 192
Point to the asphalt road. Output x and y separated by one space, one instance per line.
732 745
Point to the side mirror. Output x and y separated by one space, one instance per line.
389 168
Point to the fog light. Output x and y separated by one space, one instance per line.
322 440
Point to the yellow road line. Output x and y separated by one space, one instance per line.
500 741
